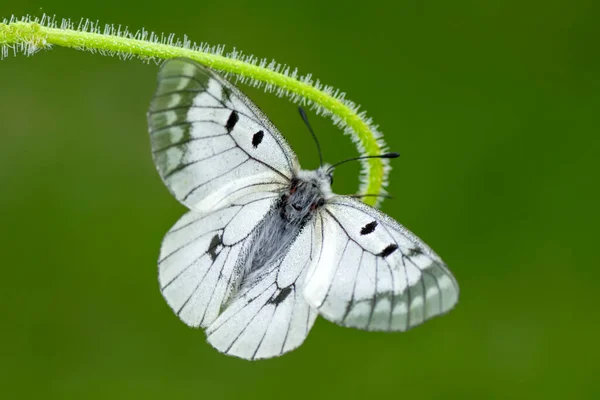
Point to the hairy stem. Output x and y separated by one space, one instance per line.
30 35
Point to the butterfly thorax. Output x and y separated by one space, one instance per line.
302 197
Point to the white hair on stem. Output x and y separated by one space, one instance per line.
31 43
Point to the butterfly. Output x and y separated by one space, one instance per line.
267 246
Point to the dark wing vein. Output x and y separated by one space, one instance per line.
337 267
183 246
289 325
189 193
197 286
251 319
265 332
393 299
184 166
352 298
218 279
186 141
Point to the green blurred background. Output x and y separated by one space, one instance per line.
494 107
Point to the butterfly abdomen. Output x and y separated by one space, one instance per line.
277 231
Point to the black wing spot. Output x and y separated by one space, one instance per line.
231 121
226 93
414 252
257 138
212 247
388 250
281 296
368 228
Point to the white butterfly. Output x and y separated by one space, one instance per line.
267 246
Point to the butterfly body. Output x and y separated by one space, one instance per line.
274 235
267 246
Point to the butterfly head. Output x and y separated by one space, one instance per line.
320 179
324 175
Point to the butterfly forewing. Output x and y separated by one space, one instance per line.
210 143
372 273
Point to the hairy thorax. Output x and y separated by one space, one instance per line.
299 202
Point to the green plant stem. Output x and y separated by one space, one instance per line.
32 36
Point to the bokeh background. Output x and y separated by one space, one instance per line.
494 107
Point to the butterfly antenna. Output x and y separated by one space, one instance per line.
305 119
360 196
386 155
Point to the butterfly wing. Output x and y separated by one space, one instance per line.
374 274
210 143
270 316
201 256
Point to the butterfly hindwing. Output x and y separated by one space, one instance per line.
210 143
269 316
374 274
200 257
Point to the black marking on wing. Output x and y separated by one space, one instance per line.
264 333
407 296
193 240
388 250
278 297
281 296
212 248
257 138
188 243
231 121
414 252
222 258
254 109
254 118
187 107
247 289
221 275
368 228
231 105
348 233
226 93
185 303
